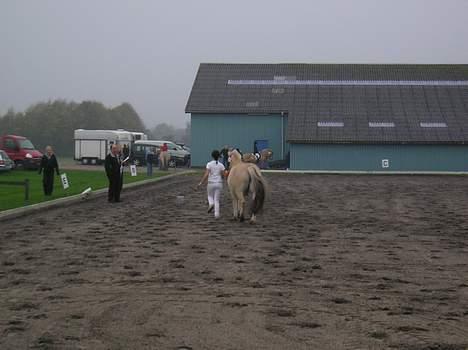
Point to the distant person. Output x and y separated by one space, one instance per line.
164 157
225 156
48 165
214 173
149 161
114 171
125 151
157 153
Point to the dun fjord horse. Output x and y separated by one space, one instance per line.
259 158
244 179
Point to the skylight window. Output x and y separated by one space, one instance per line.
252 104
330 124
433 125
381 125
284 78
277 90
291 80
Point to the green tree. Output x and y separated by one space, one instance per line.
53 122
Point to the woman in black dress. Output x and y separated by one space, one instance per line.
48 165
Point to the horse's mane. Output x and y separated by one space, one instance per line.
235 155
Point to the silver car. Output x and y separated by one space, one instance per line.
5 162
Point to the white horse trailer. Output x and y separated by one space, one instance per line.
92 146
139 136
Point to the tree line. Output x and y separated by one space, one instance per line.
53 123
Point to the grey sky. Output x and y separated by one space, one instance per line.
147 52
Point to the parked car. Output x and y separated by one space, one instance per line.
21 151
184 146
179 156
139 151
6 163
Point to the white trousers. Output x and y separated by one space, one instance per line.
214 193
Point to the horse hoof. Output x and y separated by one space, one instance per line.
252 221
241 219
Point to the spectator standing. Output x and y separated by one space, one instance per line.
114 172
125 151
48 165
157 153
149 161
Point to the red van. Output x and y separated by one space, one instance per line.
21 151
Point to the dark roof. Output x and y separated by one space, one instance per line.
351 95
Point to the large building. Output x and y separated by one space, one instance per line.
335 117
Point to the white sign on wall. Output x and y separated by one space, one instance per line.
133 170
385 163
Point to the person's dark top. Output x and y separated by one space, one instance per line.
224 153
112 166
150 158
126 151
48 165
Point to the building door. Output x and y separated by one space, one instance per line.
260 145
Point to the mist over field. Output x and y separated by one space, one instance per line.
146 53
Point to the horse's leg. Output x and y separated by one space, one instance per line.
234 206
240 210
241 205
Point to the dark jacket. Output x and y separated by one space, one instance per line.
225 153
112 166
150 158
48 165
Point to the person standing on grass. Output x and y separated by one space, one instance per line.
48 165
214 174
114 167
157 153
149 161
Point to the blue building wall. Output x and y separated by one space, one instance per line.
213 131
370 157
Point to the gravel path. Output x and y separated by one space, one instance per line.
334 262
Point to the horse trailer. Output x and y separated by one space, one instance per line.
92 146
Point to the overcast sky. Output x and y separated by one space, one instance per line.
147 52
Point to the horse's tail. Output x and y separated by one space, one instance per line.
257 187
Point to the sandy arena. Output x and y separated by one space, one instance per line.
334 262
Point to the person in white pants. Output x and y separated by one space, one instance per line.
214 174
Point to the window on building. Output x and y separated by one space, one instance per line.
381 125
277 90
293 81
330 124
252 104
433 125
284 78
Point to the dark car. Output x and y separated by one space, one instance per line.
139 154
184 146
139 151
6 163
